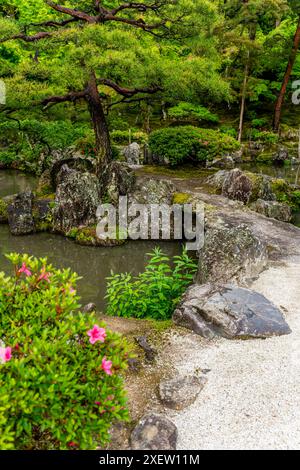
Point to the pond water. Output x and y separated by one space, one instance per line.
92 264
13 182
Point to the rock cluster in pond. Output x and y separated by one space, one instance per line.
181 392
229 311
116 180
77 199
154 432
132 154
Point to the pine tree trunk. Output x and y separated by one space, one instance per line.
280 99
103 145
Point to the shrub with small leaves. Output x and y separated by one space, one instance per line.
192 112
153 293
61 384
188 143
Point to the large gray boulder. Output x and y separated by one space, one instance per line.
229 311
231 250
273 209
153 191
20 216
132 153
77 199
154 432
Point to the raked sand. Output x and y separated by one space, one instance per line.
252 397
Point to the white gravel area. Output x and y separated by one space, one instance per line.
252 397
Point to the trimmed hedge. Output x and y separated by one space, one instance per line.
188 143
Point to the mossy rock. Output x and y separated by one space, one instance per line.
181 198
45 185
265 157
3 212
87 236
42 212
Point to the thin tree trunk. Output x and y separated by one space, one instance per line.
280 99
103 145
243 100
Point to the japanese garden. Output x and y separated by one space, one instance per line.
128 130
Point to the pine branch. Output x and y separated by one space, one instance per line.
69 97
127 92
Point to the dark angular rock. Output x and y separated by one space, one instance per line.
150 352
154 432
20 217
229 311
181 392
89 308
282 155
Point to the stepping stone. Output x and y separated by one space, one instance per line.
154 432
181 392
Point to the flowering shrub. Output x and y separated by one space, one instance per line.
60 370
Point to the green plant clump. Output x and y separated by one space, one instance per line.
60 372
189 111
153 293
188 143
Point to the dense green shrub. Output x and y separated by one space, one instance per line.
192 112
181 144
259 122
229 131
7 157
58 388
263 136
153 293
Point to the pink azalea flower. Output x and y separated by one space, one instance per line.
97 334
72 291
106 366
98 403
44 276
5 355
24 270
